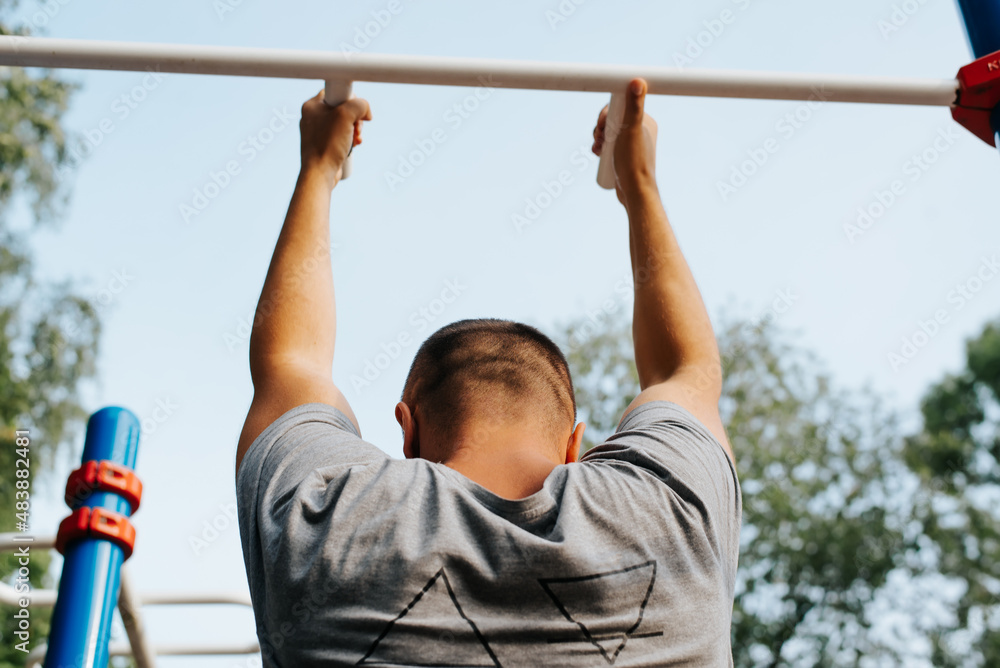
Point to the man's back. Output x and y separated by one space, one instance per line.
627 558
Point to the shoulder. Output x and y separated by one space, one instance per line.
301 440
685 391
667 440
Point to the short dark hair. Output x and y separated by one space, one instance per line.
492 368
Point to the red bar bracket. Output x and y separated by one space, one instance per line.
105 476
978 96
98 523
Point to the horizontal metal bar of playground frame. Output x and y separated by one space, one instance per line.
36 657
450 71
128 604
45 597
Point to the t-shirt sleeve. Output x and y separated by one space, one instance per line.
305 438
666 441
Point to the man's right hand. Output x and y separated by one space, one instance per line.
329 134
635 144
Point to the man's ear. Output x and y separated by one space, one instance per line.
407 421
573 445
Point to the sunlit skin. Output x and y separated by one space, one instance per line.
510 459
292 342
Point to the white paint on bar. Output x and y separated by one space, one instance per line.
445 71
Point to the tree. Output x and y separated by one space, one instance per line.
48 334
957 457
824 525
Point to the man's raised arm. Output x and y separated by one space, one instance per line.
676 353
292 341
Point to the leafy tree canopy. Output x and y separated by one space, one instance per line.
843 517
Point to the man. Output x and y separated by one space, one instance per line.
489 545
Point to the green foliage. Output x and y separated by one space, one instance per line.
957 457
32 144
818 469
48 334
605 381
826 520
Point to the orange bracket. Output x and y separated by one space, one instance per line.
97 523
105 476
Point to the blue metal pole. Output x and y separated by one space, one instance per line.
88 589
982 23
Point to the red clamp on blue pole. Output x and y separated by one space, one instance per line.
104 475
97 523
978 106
979 96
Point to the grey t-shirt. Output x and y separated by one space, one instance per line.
626 558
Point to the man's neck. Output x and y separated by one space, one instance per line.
511 475
511 462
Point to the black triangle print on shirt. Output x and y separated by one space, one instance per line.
607 608
459 643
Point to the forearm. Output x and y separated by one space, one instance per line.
296 317
670 326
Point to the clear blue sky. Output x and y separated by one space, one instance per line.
175 333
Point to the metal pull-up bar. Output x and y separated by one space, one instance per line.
339 69
447 71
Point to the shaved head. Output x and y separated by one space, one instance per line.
490 370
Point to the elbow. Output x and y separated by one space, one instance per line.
258 359
266 369
703 376
265 363
268 366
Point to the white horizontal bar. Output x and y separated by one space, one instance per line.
40 598
129 603
443 71
46 598
195 597
37 656
15 539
